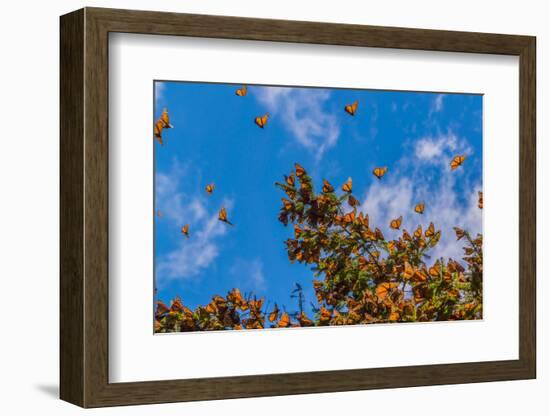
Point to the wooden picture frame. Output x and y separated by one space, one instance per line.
84 207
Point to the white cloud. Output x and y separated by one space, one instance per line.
160 87
249 273
437 104
397 194
177 208
301 111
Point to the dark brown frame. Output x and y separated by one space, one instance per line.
84 207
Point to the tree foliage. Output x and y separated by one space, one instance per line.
359 275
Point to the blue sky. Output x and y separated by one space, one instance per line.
214 139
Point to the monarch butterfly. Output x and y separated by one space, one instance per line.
351 108
210 188
435 239
420 275
284 321
327 187
378 234
161 308
297 231
406 235
348 186
287 204
459 233
419 208
408 271
379 172
261 121
457 161
162 123
353 201
325 314
383 290
418 232
434 270
300 171
349 217
241 92
185 230
290 179
274 314
364 219
396 223
480 199
430 231
304 320
222 216
256 304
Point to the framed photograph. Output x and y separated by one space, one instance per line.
257 207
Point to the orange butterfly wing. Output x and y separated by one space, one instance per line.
241 92
419 208
261 121
457 161
379 172
348 186
396 224
351 108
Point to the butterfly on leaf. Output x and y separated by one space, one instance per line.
290 180
418 232
261 121
435 270
419 208
349 217
480 199
353 201
351 108
383 290
327 187
396 223
457 161
241 92
185 230
210 188
274 314
284 321
222 216
348 186
459 232
379 172
430 231
300 171
408 270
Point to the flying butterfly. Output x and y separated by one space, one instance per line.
351 108
457 161
241 92
480 199
419 208
210 188
222 216
261 121
379 172
396 223
185 230
162 123
348 186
